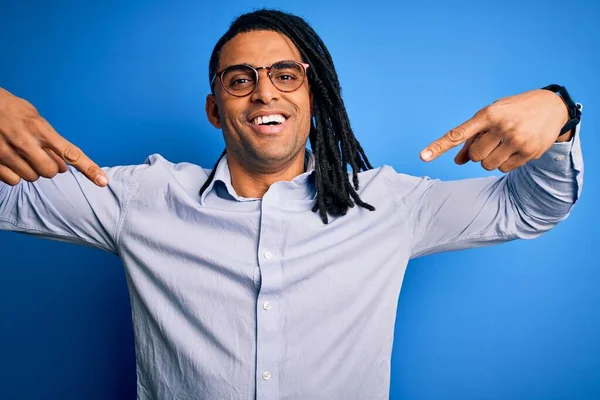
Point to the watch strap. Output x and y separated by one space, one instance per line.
573 108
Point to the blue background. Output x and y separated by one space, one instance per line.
516 321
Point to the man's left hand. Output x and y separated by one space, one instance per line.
508 133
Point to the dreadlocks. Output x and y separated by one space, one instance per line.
331 137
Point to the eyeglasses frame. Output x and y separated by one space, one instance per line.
256 69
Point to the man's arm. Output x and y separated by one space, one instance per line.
519 134
41 195
523 204
69 207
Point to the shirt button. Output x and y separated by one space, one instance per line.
266 375
267 305
268 255
560 158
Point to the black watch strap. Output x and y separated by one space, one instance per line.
573 108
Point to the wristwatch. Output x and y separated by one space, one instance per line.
573 108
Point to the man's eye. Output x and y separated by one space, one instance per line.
240 81
286 77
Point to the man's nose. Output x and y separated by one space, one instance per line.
265 92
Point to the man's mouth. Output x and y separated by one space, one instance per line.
269 120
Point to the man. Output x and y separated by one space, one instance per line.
276 274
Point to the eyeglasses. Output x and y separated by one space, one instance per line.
241 80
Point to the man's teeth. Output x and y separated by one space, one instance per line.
278 118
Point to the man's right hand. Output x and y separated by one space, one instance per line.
30 147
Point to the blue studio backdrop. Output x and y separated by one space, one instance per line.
123 81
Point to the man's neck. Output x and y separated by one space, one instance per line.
254 184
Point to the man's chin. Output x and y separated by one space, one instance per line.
275 158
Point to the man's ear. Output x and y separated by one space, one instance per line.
212 111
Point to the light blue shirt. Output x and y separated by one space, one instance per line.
238 298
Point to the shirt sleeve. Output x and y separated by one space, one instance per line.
69 207
523 204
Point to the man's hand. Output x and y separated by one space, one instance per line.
507 133
30 147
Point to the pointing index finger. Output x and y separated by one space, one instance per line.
454 137
77 158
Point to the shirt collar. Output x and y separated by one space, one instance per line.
223 177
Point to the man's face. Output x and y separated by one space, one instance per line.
254 146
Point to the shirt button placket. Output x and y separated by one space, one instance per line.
267 312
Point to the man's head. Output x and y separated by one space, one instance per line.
314 109
265 128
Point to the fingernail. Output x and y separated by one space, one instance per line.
101 180
426 154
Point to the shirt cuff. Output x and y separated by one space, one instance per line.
561 157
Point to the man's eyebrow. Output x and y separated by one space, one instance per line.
287 62
242 64
236 66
